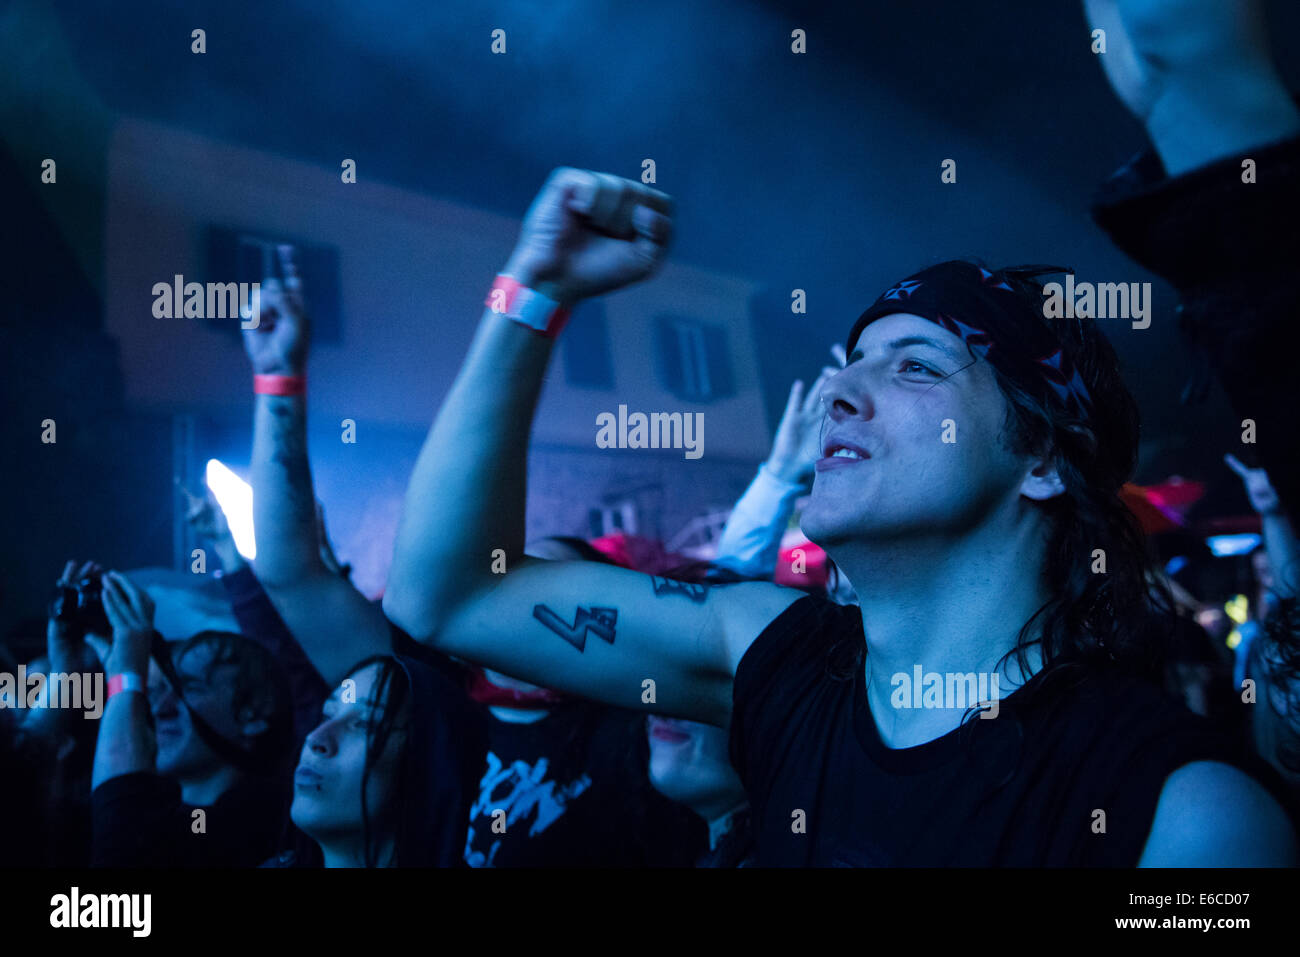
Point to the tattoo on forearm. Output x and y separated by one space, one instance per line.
670 586
289 451
598 621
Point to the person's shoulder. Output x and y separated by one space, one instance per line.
1212 814
807 630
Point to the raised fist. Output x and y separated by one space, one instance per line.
277 344
590 233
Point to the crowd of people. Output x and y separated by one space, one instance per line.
563 702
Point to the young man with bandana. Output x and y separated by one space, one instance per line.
973 455
971 556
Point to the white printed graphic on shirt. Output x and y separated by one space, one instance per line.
522 791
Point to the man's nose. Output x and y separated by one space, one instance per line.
847 395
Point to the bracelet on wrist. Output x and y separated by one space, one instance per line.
125 681
528 307
279 384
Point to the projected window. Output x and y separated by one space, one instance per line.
619 516
694 358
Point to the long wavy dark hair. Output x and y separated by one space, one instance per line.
1275 659
1122 615
391 691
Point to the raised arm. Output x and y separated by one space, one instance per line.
333 622
126 742
1279 536
751 540
591 630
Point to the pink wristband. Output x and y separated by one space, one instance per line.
512 299
279 384
126 681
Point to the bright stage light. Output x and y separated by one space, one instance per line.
235 496
1225 545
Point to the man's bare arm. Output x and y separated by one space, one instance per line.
591 630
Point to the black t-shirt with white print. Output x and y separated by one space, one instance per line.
572 790
1067 777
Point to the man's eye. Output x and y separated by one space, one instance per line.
912 367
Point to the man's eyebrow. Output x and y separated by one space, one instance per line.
923 341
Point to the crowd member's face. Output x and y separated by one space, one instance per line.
905 379
327 783
689 763
210 690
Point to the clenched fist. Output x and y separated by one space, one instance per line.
277 345
590 233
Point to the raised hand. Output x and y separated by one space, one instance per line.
60 641
798 436
590 233
1263 498
208 521
278 344
130 612
204 516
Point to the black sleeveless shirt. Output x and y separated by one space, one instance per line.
1067 774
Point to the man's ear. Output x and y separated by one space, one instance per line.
1043 481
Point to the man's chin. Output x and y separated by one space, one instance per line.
822 530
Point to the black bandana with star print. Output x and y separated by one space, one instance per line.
997 324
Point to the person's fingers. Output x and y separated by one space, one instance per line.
190 497
290 268
652 225
653 198
1236 465
649 254
292 279
115 604
837 353
137 598
812 404
68 569
794 401
609 200
122 592
579 189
